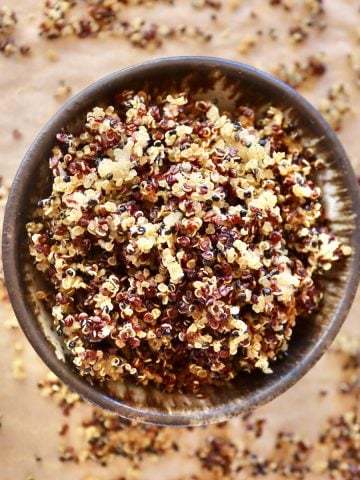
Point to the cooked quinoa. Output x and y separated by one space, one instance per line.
182 243
8 20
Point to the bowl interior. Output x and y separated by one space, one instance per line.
230 84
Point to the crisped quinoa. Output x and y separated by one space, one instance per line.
182 244
8 20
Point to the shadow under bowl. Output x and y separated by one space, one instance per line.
231 84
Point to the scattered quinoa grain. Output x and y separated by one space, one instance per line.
52 387
8 21
18 346
299 72
336 106
17 135
10 323
248 43
333 452
354 63
105 17
63 91
18 369
52 55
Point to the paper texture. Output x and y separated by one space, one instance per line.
28 84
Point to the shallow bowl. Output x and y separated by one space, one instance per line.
231 84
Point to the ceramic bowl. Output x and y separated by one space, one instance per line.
231 84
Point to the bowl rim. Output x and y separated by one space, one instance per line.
80 385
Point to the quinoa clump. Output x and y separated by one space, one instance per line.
182 243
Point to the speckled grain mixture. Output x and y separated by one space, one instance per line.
99 17
8 45
221 454
182 244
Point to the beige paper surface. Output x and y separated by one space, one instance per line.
27 86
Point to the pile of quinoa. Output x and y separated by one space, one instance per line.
182 244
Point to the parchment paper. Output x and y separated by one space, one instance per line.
27 85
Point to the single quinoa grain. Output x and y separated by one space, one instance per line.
181 244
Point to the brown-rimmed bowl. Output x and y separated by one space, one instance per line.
231 84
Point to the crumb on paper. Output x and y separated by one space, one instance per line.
248 43
336 105
297 73
234 4
8 21
52 387
11 323
105 18
17 135
18 369
63 91
63 429
312 19
52 55
18 346
8 45
354 64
